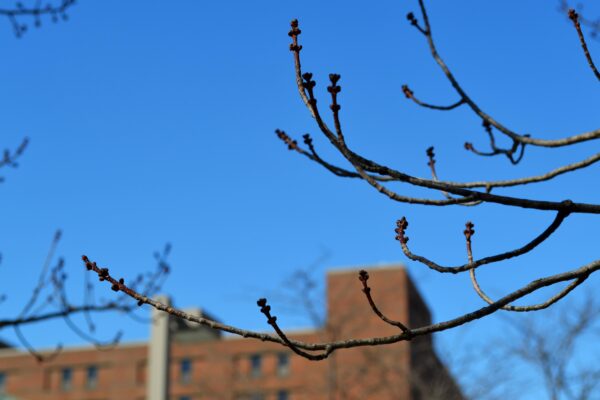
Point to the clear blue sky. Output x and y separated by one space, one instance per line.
153 122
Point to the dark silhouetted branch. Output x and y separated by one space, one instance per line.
56 11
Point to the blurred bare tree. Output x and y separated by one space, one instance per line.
24 15
561 348
50 300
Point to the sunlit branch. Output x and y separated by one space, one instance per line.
363 166
329 347
409 94
521 138
573 16
402 225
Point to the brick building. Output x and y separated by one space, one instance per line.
192 363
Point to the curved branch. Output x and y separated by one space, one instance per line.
330 347
402 224
341 172
530 179
363 276
314 156
535 307
362 165
272 320
409 94
524 139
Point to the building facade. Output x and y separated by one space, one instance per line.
185 362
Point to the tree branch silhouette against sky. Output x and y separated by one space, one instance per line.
149 123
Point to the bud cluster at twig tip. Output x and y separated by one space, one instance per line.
292 144
363 275
307 139
573 16
266 310
401 226
308 83
407 92
469 232
468 146
293 33
431 156
411 18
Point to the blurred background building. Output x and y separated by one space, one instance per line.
184 361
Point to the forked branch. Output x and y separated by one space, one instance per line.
49 300
380 177
464 97
325 349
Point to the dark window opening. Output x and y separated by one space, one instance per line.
185 371
255 365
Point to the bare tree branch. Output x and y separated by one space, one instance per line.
573 16
49 301
381 177
56 11
328 348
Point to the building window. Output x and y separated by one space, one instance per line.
66 379
185 371
185 398
257 396
2 382
283 364
91 377
283 395
255 366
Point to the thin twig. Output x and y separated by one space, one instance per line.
363 276
573 16
402 224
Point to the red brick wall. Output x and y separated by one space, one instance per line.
221 368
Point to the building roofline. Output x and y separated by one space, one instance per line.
353 269
17 352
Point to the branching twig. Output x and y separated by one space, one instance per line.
10 159
329 347
49 301
402 224
409 94
469 232
363 166
520 138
